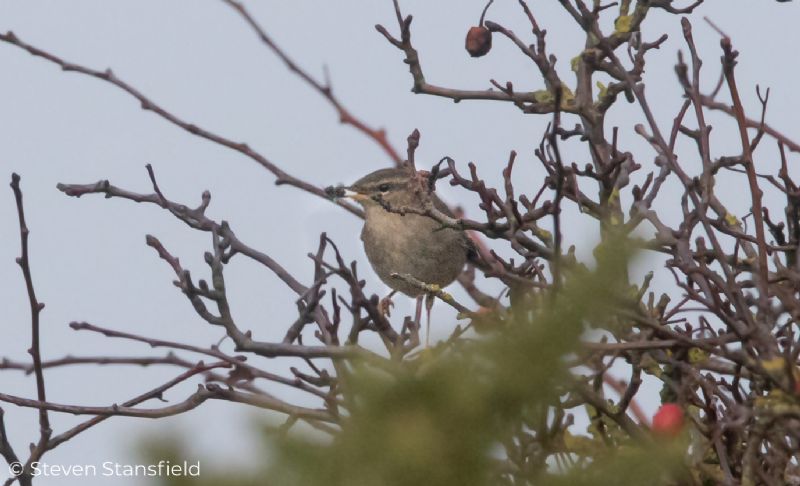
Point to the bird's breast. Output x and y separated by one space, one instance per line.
415 245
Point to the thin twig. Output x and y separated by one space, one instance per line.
45 431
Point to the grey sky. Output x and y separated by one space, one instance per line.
200 61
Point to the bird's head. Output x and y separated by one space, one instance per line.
389 186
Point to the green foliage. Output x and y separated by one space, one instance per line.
444 417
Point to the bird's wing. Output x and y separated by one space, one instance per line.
469 245
473 255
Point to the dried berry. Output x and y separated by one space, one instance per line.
479 41
335 192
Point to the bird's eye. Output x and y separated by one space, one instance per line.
383 187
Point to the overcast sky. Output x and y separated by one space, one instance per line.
199 60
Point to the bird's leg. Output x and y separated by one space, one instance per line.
418 312
386 304
429 298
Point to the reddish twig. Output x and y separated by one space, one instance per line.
378 135
728 65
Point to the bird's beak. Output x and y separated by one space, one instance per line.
356 196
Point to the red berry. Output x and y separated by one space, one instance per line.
479 41
668 420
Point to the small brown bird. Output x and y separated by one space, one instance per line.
411 244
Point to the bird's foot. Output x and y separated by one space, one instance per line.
385 305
